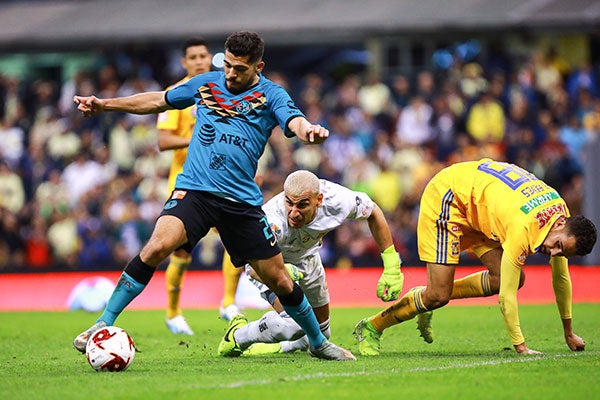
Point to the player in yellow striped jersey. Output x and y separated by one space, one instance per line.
502 213
175 130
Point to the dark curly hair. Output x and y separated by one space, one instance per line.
242 44
585 233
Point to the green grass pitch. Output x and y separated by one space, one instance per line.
471 358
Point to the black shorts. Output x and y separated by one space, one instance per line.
244 229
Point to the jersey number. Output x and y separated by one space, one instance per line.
510 174
266 230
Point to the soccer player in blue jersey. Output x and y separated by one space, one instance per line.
237 109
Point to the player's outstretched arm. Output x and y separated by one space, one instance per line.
391 281
307 132
142 103
563 292
507 299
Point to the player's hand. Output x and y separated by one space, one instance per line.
574 342
294 272
88 105
522 349
317 134
391 281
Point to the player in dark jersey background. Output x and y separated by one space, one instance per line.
237 109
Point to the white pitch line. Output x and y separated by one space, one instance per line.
321 375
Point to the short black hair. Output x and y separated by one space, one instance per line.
243 43
193 41
585 233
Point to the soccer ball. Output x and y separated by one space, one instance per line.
110 349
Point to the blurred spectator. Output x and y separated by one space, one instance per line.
386 188
425 86
122 149
575 139
134 231
64 143
413 126
472 82
443 128
64 239
12 138
95 239
82 175
582 77
386 139
12 192
374 96
547 76
13 109
401 90
38 251
342 147
46 124
34 167
12 245
69 88
52 195
486 122
591 120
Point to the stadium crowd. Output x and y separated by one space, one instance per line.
83 193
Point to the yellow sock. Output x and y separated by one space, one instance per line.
474 285
231 277
404 309
174 281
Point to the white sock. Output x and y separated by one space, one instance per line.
271 328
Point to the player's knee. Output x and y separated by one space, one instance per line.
281 284
435 299
155 251
437 303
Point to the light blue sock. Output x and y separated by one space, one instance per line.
127 289
305 317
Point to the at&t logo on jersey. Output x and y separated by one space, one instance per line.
207 134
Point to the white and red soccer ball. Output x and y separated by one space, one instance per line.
110 349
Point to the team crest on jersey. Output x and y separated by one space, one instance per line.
276 230
212 98
522 257
170 204
455 245
243 107
217 160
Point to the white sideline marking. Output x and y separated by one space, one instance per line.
321 375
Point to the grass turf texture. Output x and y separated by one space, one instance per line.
471 358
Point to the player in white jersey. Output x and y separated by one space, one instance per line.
300 216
